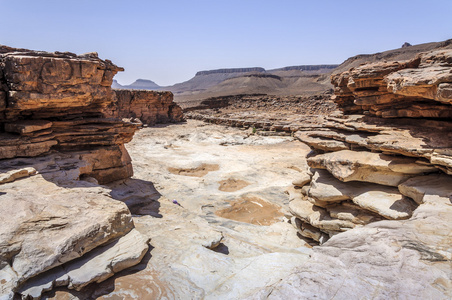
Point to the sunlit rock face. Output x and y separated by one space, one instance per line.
59 226
150 107
418 88
56 101
379 197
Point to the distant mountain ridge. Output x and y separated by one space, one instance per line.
231 70
139 84
305 80
399 54
216 76
306 68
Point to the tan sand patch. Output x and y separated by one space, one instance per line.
252 210
232 185
200 171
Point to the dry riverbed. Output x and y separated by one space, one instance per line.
212 199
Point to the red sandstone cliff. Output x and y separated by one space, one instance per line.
151 107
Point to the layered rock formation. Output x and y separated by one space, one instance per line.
381 182
59 227
418 88
56 101
150 107
383 153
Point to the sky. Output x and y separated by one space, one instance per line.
168 41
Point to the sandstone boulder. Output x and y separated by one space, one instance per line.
318 217
16 174
95 266
326 188
350 212
378 168
67 229
386 203
309 231
321 143
302 179
422 187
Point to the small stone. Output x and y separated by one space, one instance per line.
302 179
12 175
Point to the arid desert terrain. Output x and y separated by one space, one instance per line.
304 182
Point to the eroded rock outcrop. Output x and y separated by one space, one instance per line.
418 88
59 227
56 101
151 107
381 181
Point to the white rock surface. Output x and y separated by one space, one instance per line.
421 187
193 251
95 266
383 200
348 165
408 259
51 219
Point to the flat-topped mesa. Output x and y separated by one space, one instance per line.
307 68
58 101
226 71
417 88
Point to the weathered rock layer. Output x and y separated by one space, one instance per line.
389 168
56 101
418 88
150 107
57 144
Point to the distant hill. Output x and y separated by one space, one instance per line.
303 80
139 84
204 80
116 85
293 80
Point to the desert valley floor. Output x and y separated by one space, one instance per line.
228 183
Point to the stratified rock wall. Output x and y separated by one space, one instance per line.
418 88
57 101
390 168
378 152
151 107
58 226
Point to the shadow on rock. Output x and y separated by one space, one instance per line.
64 170
96 290
140 196
221 248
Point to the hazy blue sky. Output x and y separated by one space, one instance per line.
168 41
